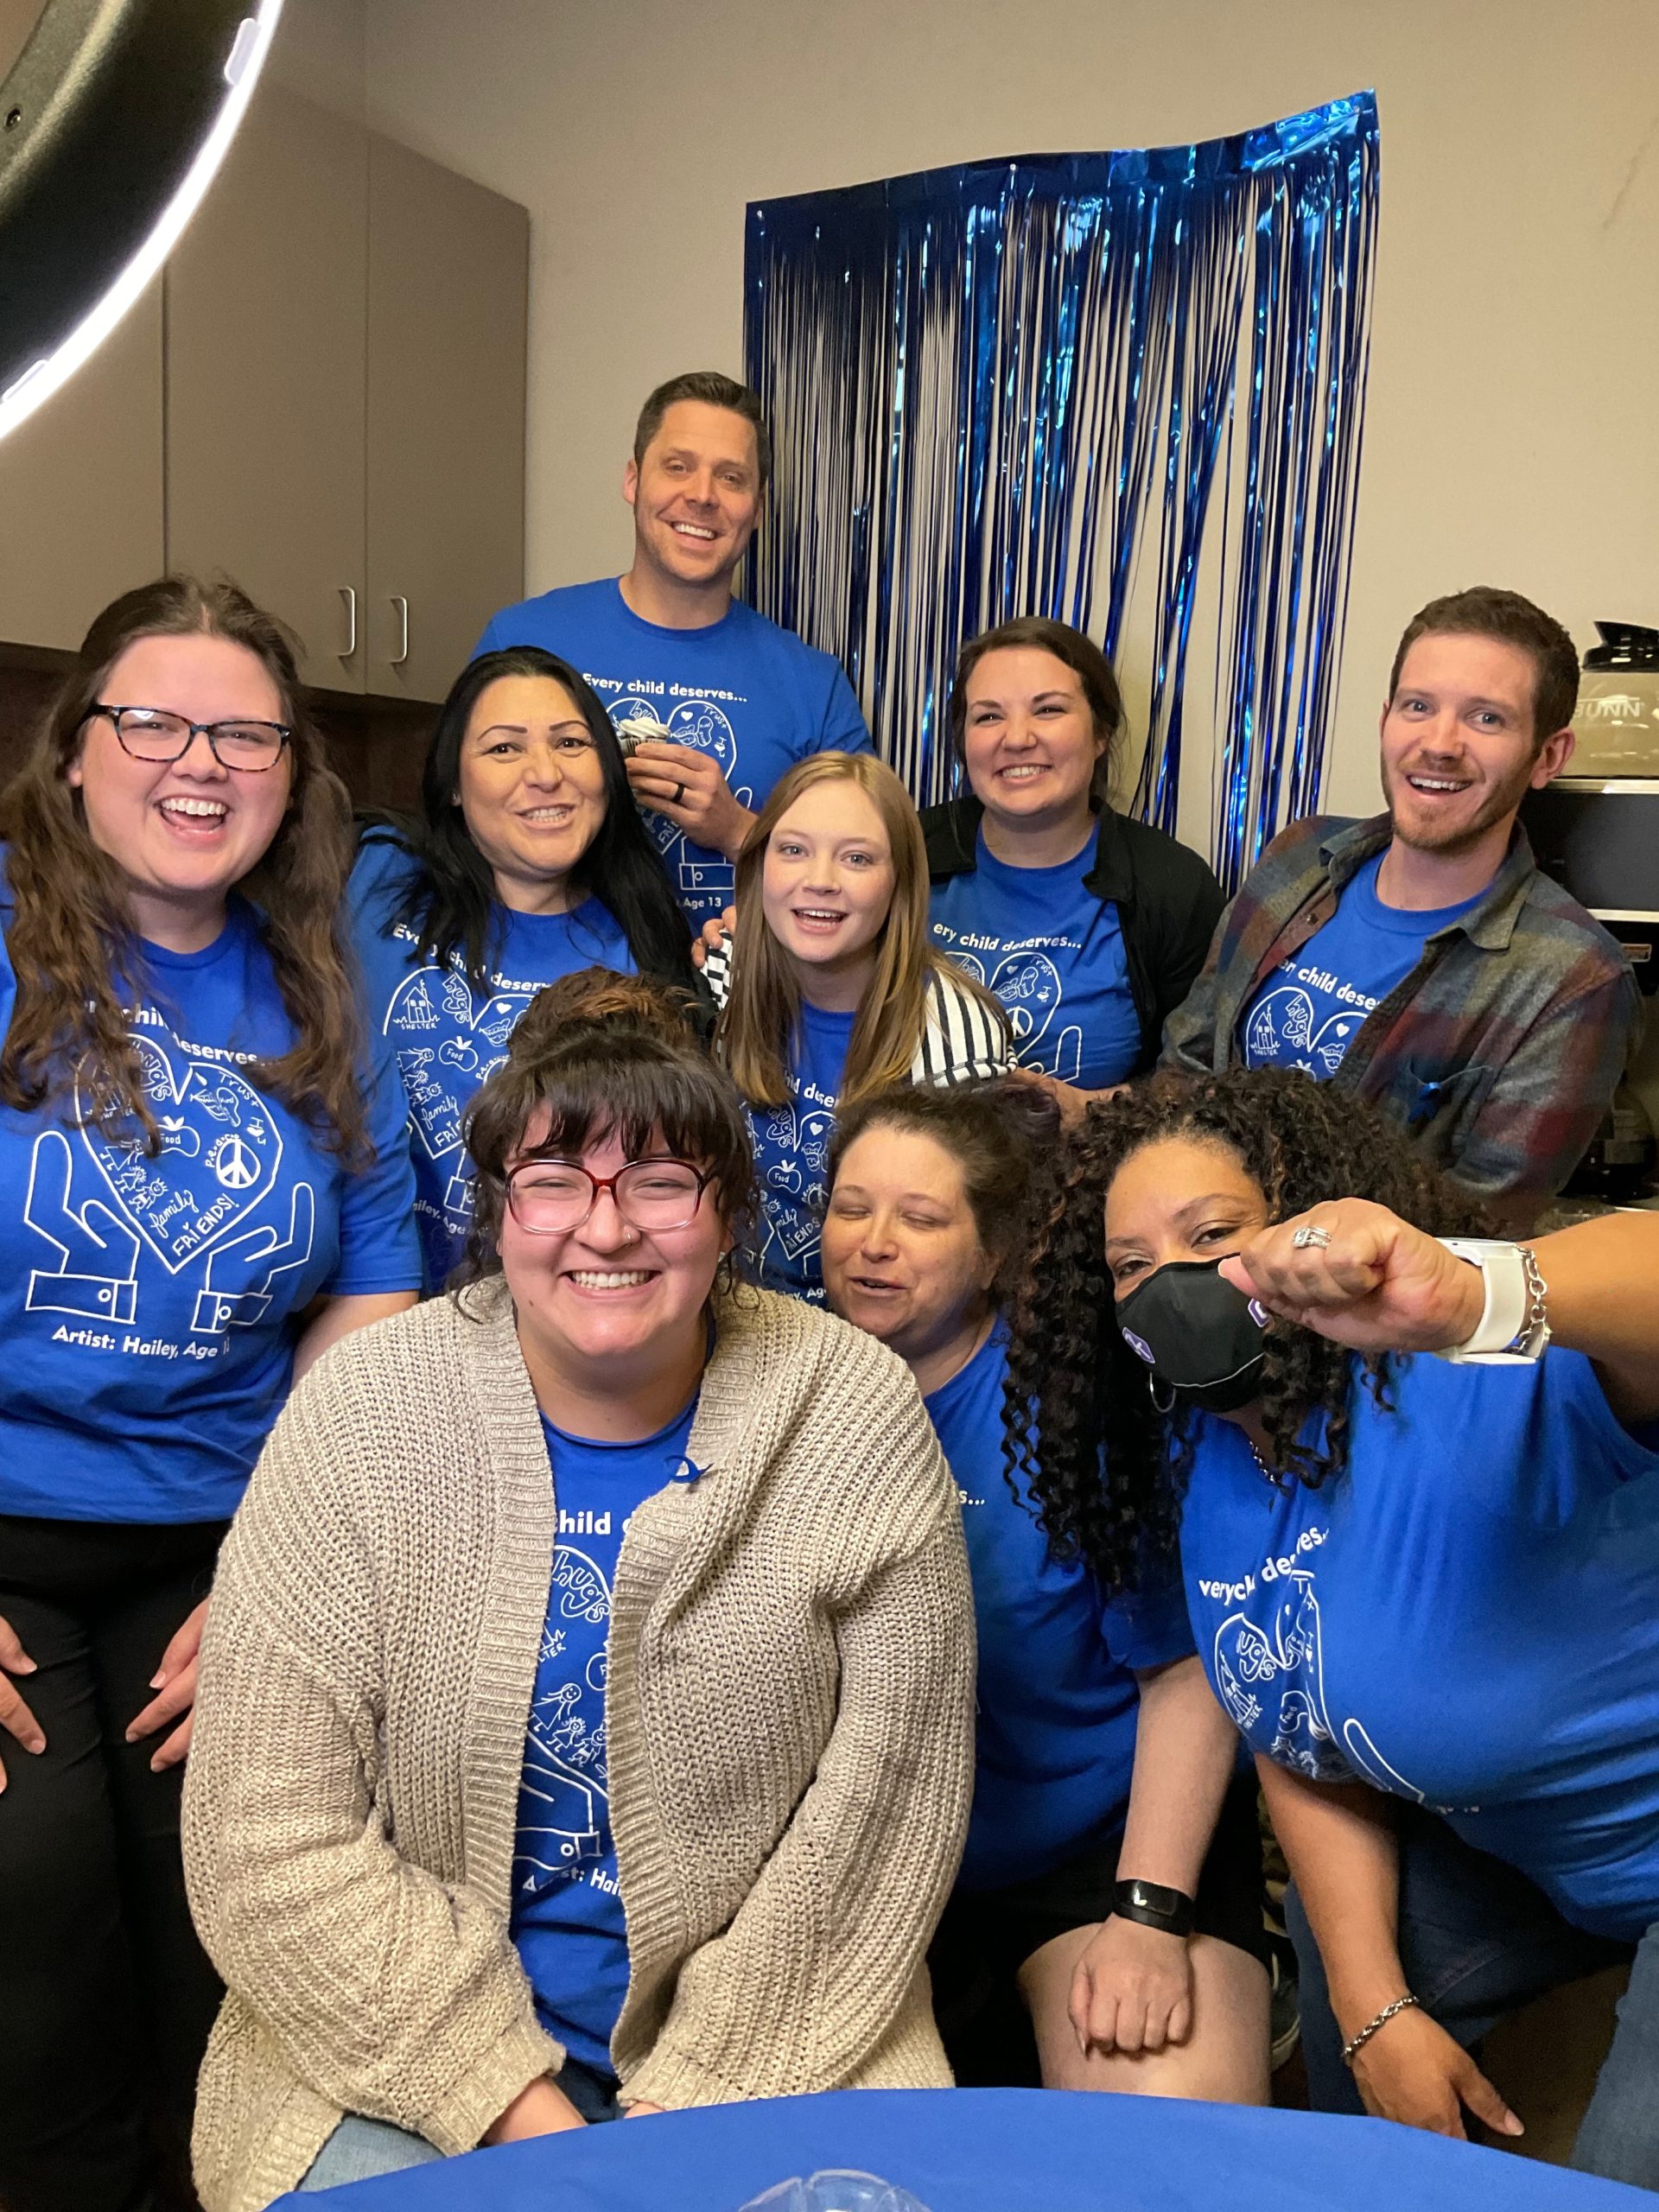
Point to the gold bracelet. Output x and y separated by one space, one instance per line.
1400 2004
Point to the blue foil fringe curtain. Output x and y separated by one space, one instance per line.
999 390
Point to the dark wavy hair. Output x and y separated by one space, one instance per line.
1004 1135
599 1052
72 946
1107 1469
451 904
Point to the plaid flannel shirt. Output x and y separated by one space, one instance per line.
1500 1050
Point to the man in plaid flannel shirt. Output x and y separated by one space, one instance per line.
1419 959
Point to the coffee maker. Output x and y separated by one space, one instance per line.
1596 831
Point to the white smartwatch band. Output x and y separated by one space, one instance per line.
1514 1327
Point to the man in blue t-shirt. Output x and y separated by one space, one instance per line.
722 700
1420 961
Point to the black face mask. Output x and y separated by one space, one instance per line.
1201 1338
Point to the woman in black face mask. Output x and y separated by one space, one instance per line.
1414 1479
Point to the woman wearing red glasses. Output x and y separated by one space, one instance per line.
587 1716
205 1183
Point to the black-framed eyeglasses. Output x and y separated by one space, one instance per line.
152 734
551 1196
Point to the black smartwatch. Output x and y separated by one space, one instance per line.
1151 1905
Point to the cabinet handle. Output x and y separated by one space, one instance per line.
401 653
350 646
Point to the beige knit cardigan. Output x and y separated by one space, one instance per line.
789 1715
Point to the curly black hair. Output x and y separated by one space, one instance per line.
1107 1469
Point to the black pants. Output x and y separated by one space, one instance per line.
106 1993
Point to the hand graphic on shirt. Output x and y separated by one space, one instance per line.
96 1278
218 1310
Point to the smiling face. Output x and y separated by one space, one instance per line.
607 1304
182 832
902 1256
531 788
1459 748
696 494
828 878
1029 740
1178 1199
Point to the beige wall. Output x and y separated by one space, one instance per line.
1513 432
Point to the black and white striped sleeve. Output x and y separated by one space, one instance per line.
717 970
964 1040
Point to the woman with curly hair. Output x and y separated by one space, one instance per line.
1418 1527
1101 1757
208 1184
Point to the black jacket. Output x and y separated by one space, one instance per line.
1167 902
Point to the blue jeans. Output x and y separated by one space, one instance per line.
1477 1941
361 2149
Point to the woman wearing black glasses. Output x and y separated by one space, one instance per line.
201 1191
528 861
587 1706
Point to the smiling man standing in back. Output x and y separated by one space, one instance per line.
738 701
1419 959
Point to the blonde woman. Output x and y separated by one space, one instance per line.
830 987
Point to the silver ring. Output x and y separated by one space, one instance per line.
679 794
1310 1233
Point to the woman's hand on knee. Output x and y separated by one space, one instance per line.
1132 1989
540 2108
176 1679
1412 2071
15 1716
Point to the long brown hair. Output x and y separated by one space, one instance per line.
71 943
761 1015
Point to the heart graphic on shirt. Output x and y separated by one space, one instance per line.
698 723
695 722
1028 984
795 1184
447 1043
1284 1019
220 1152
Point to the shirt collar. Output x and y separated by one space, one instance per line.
1489 923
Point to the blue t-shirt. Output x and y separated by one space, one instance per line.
1307 1013
1053 954
1057 1698
567 1899
792 1154
447 1038
753 696
149 1307
1468 1617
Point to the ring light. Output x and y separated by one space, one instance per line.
114 116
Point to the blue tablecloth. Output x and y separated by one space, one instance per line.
992 2151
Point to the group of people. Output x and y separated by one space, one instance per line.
957 1355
